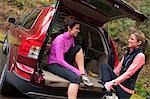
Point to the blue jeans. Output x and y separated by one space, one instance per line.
108 75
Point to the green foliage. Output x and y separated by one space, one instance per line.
28 4
17 3
46 2
117 27
42 2
141 90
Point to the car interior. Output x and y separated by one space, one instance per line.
93 44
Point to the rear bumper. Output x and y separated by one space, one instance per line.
31 90
27 88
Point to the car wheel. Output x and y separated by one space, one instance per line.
5 47
5 87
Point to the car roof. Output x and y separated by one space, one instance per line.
102 11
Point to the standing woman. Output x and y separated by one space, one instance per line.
64 54
124 76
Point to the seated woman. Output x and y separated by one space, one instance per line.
64 53
124 76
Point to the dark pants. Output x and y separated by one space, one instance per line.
62 71
108 75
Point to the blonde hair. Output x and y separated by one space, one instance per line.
140 37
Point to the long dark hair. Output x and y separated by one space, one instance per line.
68 21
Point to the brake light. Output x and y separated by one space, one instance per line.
31 47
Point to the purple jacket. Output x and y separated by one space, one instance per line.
59 47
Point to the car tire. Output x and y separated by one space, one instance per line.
5 86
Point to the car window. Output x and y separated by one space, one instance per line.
28 20
24 18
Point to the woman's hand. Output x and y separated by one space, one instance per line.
109 85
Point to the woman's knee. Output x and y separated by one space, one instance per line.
103 66
78 47
75 79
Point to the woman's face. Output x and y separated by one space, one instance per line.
133 42
75 30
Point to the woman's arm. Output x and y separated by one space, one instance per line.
59 47
137 63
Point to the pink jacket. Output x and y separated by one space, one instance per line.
60 46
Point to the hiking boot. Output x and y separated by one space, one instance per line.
86 81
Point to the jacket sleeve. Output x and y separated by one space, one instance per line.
59 47
137 63
117 69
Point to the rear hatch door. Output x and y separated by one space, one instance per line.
102 11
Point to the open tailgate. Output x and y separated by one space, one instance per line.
102 11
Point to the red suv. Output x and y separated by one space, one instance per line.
26 58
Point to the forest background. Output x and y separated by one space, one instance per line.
118 29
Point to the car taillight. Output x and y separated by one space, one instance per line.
30 48
24 71
34 52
